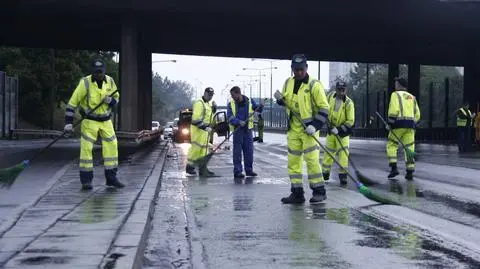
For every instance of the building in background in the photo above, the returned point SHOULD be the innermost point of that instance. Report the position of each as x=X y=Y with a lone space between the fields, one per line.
x=339 y=70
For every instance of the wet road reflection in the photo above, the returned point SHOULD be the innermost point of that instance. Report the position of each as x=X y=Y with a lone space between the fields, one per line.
x=242 y=224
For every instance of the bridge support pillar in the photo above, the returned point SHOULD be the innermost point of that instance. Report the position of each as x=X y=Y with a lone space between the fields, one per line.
x=135 y=79
x=393 y=71
x=471 y=89
x=414 y=79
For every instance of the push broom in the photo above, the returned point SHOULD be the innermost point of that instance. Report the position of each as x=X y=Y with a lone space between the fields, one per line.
x=361 y=177
x=10 y=174
x=361 y=188
x=411 y=155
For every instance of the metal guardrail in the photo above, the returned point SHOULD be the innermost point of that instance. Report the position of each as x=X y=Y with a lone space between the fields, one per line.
x=136 y=137
x=424 y=135
x=16 y=133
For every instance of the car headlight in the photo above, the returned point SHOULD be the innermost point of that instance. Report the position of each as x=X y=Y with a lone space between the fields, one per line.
x=185 y=131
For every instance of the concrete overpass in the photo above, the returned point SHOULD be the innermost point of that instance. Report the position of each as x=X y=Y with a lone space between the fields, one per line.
x=412 y=32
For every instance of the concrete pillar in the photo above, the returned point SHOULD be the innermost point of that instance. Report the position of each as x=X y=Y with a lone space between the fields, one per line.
x=129 y=76
x=145 y=87
x=393 y=71
x=135 y=79
x=414 y=79
x=471 y=88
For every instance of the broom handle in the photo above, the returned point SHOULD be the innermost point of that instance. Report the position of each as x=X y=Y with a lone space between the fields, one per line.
x=343 y=148
x=64 y=132
x=386 y=124
x=324 y=149
x=236 y=129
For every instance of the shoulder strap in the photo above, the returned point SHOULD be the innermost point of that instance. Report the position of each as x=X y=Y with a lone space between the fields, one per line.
x=312 y=101
x=285 y=84
x=86 y=83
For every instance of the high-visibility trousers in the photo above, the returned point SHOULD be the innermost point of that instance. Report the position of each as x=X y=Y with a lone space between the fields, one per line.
x=301 y=147
x=334 y=147
x=199 y=144
x=89 y=132
x=261 y=125
x=407 y=137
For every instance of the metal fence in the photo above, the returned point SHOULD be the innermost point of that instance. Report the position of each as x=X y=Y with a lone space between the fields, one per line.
x=438 y=103
x=8 y=104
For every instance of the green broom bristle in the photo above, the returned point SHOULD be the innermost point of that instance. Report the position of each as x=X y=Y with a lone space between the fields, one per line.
x=375 y=197
x=9 y=175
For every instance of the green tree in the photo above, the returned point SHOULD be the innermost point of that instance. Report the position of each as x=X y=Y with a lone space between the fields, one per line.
x=169 y=97
x=42 y=70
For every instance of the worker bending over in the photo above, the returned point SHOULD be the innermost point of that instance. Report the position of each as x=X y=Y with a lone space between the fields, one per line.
x=341 y=118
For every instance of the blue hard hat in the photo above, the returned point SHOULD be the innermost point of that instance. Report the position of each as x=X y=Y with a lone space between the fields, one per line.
x=299 y=61
x=98 y=65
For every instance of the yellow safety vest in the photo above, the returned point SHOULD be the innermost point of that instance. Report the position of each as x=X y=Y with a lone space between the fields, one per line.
x=403 y=110
x=463 y=122
x=88 y=96
x=311 y=100
x=344 y=117
x=234 y=113
x=202 y=114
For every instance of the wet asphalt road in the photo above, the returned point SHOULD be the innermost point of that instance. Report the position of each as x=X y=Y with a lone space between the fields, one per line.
x=34 y=180
x=222 y=223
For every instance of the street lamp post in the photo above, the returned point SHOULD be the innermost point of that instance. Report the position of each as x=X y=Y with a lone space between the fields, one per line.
x=260 y=77
x=250 y=76
x=247 y=82
x=271 y=84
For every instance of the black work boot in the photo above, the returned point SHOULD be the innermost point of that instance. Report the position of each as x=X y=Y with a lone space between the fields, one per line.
x=343 y=179
x=239 y=175
x=319 y=195
x=86 y=180
x=87 y=186
x=251 y=174
x=409 y=175
x=326 y=176
x=204 y=172
x=112 y=181
x=393 y=171
x=296 y=197
x=190 y=169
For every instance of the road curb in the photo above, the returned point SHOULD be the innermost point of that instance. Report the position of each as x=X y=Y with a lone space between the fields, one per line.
x=127 y=249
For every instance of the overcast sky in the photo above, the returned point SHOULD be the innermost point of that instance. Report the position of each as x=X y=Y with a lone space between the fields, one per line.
x=218 y=73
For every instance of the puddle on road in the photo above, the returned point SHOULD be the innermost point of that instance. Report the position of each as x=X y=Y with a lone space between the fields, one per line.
x=101 y=207
x=40 y=260
x=403 y=240
x=438 y=204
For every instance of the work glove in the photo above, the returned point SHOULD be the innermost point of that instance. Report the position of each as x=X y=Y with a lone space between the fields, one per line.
x=473 y=115
x=242 y=123
x=107 y=100
x=208 y=129
x=334 y=131
x=68 y=129
x=310 y=130
x=278 y=95
x=388 y=127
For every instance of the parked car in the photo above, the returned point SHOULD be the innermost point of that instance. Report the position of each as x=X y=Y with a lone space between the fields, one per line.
x=168 y=130
x=155 y=125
